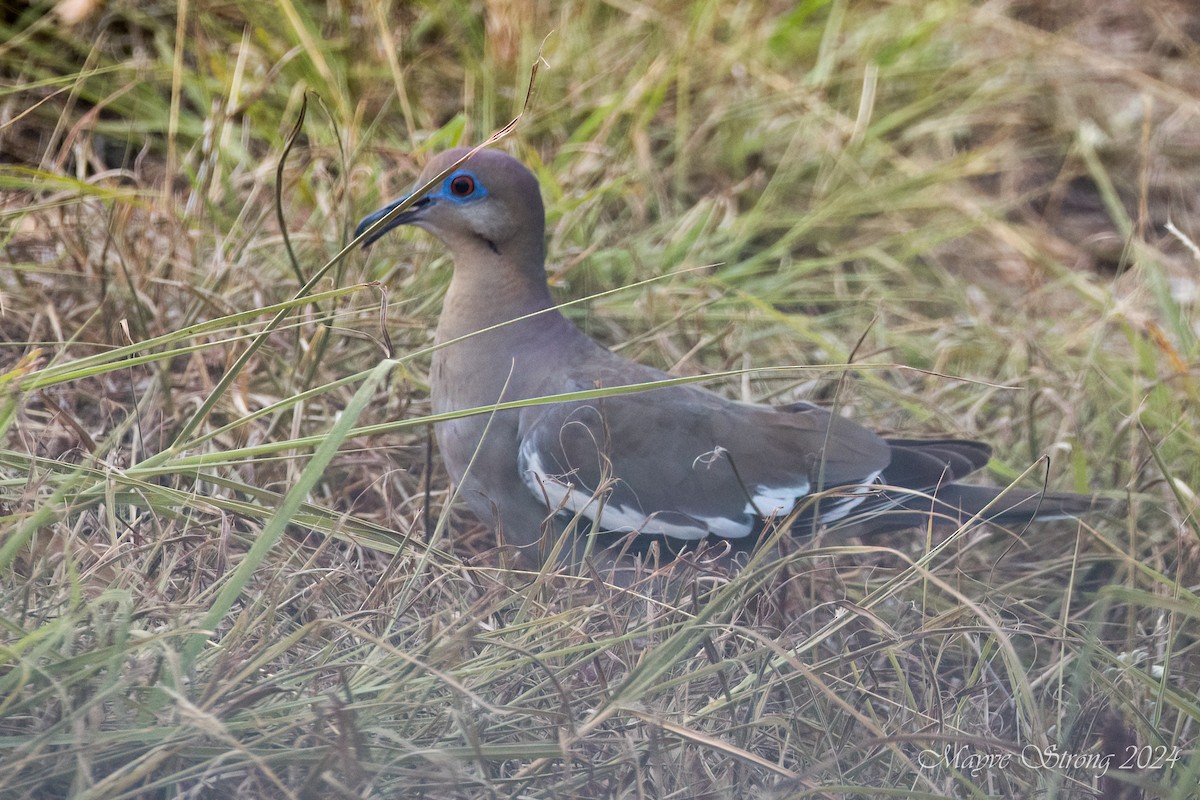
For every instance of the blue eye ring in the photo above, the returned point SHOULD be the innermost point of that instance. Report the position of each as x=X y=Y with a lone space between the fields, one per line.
x=461 y=185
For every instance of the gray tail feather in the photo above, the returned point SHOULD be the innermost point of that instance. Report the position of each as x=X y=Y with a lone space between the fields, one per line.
x=956 y=504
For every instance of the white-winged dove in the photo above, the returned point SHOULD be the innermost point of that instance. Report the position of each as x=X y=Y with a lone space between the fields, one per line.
x=675 y=464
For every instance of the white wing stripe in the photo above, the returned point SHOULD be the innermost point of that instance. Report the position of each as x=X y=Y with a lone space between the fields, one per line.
x=767 y=502
x=612 y=517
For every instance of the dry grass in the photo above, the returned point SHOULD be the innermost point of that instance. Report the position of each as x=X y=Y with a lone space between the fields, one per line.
x=217 y=574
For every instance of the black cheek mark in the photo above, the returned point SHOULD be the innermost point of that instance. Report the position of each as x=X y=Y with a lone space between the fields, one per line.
x=492 y=245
